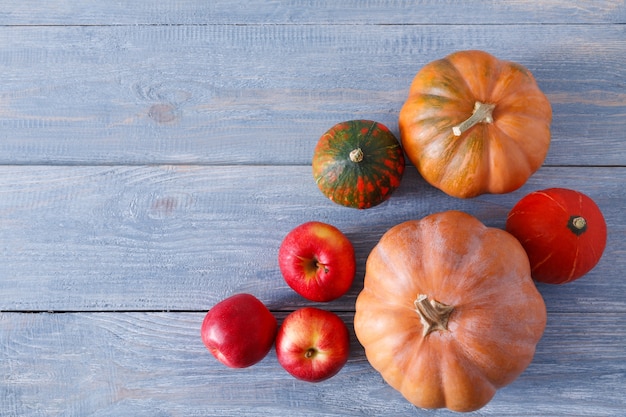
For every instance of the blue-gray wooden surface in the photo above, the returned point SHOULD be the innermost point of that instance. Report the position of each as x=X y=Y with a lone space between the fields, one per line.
x=154 y=154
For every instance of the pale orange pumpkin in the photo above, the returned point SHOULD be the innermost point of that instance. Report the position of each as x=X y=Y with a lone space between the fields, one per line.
x=449 y=312
x=473 y=124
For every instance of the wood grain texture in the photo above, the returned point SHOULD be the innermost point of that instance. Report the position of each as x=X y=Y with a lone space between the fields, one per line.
x=264 y=94
x=154 y=364
x=184 y=237
x=91 y=12
x=154 y=154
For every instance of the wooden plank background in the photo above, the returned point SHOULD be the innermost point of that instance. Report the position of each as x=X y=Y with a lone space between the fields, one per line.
x=262 y=94
x=154 y=154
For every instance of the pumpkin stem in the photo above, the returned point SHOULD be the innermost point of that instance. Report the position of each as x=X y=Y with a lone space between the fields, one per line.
x=356 y=155
x=577 y=224
x=482 y=114
x=433 y=314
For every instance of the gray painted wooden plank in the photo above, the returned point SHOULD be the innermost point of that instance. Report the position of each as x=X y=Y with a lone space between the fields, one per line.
x=154 y=364
x=111 y=93
x=263 y=94
x=183 y=237
x=63 y=12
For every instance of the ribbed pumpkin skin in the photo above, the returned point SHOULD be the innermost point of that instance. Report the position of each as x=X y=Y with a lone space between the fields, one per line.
x=361 y=184
x=497 y=319
x=496 y=157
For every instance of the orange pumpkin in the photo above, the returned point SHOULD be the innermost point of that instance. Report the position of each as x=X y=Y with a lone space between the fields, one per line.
x=449 y=312
x=473 y=124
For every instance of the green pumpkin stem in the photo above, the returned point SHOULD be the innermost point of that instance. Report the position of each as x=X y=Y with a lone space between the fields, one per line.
x=482 y=114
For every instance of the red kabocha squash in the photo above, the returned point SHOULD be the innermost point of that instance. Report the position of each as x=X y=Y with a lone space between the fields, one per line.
x=448 y=312
x=563 y=232
x=473 y=124
x=358 y=163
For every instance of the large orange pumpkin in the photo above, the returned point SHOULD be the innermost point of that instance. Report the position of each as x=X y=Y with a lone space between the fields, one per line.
x=473 y=124
x=449 y=312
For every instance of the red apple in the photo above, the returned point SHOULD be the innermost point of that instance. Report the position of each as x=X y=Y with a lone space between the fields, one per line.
x=239 y=331
x=317 y=261
x=312 y=344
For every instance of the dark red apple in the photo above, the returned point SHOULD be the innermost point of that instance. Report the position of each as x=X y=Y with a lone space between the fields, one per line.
x=312 y=344
x=317 y=261
x=239 y=331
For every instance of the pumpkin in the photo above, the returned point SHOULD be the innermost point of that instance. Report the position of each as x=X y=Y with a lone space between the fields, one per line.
x=563 y=232
x=358 y=163
x=473 y=124
x=448 y=312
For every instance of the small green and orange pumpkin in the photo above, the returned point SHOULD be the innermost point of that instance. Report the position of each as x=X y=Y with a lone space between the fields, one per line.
x=358 y=163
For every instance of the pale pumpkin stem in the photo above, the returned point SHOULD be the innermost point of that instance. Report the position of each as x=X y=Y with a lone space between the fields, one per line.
x=433 y=314
x=482 y=114
x=356 y=155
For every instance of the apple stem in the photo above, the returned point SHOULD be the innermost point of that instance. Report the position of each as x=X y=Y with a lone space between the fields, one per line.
x=319 y=265
x=482 y=113
x=433 y=314
x=310 y=353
